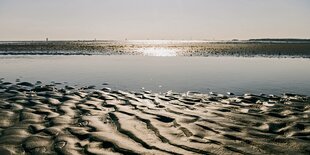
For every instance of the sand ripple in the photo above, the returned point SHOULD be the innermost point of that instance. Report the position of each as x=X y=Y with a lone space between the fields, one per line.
x=38 y=119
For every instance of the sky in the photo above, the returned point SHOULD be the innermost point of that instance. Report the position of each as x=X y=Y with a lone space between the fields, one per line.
x=153 y=19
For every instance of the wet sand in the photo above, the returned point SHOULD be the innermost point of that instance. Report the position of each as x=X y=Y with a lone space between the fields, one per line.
x=159 y=48
x=43 y=119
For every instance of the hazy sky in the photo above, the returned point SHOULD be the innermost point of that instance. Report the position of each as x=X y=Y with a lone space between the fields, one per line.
x=153 y=19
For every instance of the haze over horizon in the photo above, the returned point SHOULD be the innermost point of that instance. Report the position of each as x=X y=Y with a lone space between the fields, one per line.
x=153 y=19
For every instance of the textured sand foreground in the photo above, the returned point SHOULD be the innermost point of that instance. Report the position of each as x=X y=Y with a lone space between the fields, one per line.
x=41 y=119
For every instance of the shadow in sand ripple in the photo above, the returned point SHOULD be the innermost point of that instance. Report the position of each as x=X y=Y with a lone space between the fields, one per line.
x=39 y=119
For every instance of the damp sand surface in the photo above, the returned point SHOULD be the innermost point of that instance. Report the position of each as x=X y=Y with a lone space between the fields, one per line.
x=264 y=48
x=44 y=119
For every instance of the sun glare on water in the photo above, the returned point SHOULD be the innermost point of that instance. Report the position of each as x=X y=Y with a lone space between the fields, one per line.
x=153 y=51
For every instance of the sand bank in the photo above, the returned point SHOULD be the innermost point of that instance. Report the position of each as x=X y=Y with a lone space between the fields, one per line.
x=43 y=119
x=159 y=48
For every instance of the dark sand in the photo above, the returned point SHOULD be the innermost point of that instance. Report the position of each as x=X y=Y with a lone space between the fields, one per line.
x=147 y=47
x=36 y=119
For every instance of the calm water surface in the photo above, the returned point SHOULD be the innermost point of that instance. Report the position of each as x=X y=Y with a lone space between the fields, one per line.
x=160 y=74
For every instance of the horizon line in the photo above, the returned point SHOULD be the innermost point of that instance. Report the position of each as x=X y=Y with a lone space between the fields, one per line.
x=234 y=39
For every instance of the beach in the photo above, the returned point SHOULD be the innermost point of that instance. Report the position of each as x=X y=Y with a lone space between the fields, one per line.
x=44 y=119
x=149 y=98
x=155 y=77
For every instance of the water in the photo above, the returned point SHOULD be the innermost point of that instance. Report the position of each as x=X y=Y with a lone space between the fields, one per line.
x=160 y=74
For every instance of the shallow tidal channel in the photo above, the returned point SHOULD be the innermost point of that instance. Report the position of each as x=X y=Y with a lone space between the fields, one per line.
x=161 y=74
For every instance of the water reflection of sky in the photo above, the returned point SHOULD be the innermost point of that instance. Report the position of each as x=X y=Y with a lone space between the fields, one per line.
x=160 y=74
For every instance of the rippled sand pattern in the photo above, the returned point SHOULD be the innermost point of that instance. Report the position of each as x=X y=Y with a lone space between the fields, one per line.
x=36 y=119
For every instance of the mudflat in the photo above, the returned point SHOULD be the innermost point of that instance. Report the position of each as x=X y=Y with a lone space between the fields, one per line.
x=43 y=119
x=159 y=48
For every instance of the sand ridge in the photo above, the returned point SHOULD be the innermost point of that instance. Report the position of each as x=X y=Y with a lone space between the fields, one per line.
x=44 y=119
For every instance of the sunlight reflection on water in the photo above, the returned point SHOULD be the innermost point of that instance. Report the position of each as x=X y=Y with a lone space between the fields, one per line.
x=152 y=51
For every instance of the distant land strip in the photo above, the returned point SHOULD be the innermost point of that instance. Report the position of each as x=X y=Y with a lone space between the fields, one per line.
x=249 y=48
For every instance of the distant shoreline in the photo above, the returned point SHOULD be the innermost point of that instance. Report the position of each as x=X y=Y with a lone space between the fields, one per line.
x=172 y=40
x=251 y=48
